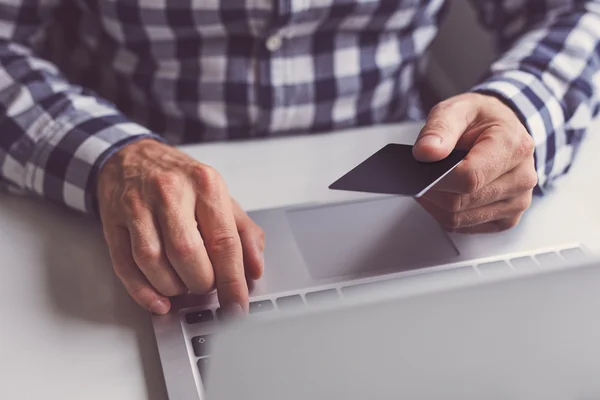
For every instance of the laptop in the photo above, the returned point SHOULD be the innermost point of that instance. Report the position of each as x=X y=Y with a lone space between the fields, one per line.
x=531 y=337
x=320 y=254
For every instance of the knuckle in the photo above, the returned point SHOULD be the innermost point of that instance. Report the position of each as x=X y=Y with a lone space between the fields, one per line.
x=455 y=220
x=185 y=250
x=222 y=242
x=523 y=202
x=147 y=254
x=202 y=281
x=454 y=202
x=531 y=179
x=165 y=185
x=164 y=179
x=452 y=220
x=524 y=146
x=473 y=180
x=202 y=285
x=206 y=178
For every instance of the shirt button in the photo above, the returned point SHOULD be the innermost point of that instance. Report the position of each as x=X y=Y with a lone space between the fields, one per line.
x=274 y=43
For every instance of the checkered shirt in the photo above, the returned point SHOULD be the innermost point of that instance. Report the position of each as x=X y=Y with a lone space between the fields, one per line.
x=81 y=79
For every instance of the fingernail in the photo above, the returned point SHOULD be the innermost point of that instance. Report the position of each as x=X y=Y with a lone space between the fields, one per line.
x=159 y=307
x=430 y=140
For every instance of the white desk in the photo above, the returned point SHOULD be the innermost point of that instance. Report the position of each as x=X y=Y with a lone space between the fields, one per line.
x=67 y=328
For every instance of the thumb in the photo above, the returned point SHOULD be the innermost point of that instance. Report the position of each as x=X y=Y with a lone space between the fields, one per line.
x=445 y=125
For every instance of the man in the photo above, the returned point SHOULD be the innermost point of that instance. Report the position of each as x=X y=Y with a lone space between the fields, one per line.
x=93 y=92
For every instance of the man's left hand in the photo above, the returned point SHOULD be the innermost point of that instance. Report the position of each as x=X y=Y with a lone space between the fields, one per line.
x=492 y=187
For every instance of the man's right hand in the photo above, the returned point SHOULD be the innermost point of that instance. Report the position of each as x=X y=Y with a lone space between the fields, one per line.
x=171 y=227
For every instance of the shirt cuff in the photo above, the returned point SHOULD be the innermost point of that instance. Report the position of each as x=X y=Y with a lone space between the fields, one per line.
x=541 y=114
x=64 y=167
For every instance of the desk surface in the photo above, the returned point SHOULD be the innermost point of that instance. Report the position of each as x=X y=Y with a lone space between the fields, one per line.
x=69 y=331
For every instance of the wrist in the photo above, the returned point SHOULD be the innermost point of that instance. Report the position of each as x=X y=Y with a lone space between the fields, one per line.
x=119 y=157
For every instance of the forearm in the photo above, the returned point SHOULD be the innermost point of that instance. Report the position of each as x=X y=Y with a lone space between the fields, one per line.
x=54 y=136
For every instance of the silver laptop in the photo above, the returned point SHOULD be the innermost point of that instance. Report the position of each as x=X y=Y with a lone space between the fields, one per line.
x=534 y=337
x=323 y=253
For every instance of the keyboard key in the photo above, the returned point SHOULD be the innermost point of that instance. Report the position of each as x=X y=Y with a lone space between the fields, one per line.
x=289 y=302
x=322 y=296
x=200 y=345
x=494 y=268
x=574 y=255
x=549 y=260
x=364 y=289
x=524 y=264
x=203 y=365
x=259 y=306
x=359 y=289
x=199 y=316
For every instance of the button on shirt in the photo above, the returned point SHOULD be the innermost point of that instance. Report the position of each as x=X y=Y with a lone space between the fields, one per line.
x=79 y=80
x=274 y=43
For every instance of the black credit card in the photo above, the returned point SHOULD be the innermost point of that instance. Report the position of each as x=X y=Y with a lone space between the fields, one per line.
x=394 y=170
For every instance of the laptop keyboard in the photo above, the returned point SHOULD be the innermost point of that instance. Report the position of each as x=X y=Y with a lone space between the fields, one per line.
x=322 y=296
x=202 y=365
x=197 y=317
x=200 y=344
x=289 y=302
x=524 y=263
x=260 y=306
x=205 y=320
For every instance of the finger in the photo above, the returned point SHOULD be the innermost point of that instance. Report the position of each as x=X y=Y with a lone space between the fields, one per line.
x=492 y=226
x=496 y=211
x=214 y=212
x=253 y=242
x=175 y=210
x=149 y=254
x=445 y=124
x=132 y=278
x=494 y=153
x=517 y=181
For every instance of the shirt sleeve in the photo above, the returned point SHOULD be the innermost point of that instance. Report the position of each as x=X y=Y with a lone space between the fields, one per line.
x=54 y=136
x=548 y=73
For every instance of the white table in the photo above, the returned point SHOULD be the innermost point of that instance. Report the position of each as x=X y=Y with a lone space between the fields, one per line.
x=67 y=328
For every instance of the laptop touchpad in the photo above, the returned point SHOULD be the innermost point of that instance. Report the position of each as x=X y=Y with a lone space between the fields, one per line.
x=366 y=237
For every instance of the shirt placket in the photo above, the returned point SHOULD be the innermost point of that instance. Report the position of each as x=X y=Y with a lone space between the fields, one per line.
x=271 y=94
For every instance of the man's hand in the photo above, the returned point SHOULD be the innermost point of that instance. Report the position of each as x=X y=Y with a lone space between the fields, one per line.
x=492 y=188
x=171 y=227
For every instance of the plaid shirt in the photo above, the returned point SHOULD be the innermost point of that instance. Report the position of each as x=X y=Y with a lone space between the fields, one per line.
x=80 y=79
